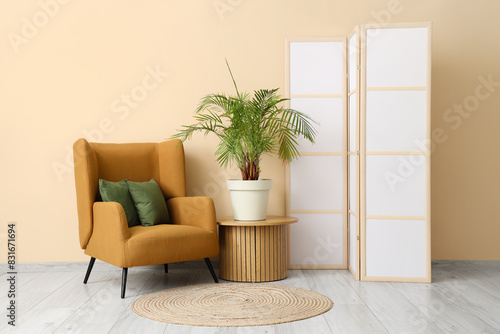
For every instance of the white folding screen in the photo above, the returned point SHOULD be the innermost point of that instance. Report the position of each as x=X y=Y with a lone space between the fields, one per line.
x=362 y=193
x=394 y=164
x=317 y=187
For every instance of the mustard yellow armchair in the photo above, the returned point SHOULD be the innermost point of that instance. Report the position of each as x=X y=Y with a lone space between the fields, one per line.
x=103 y=229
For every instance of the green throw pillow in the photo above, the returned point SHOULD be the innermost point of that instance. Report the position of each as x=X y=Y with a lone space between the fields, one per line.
x=149 y=202
x=118 y=192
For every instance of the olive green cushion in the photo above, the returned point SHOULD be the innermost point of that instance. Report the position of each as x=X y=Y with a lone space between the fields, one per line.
x=118 y=192
x=149 y=202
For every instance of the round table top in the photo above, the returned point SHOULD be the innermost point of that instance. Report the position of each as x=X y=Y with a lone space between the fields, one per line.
x=270 y=220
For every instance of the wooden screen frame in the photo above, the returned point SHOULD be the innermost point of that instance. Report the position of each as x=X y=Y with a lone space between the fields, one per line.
x=344 y=154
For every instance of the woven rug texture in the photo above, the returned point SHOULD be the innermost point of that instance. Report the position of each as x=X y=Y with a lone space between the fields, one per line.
x=231 y=305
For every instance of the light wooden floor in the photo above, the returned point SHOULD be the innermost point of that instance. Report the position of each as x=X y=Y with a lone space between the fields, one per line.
x=463 y=298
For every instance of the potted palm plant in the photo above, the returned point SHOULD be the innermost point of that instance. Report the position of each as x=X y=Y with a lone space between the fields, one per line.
x=249 y=126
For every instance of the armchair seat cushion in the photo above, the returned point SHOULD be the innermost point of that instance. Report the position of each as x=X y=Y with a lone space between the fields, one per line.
x=168 y=243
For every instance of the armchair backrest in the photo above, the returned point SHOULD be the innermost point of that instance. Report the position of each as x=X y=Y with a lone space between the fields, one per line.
x=137 y=162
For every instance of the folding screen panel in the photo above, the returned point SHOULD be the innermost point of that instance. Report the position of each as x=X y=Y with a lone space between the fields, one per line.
x=317 y=181
x=394 y=165
x=353 y=148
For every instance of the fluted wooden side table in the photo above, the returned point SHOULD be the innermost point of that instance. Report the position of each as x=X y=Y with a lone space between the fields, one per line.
x=254 y=251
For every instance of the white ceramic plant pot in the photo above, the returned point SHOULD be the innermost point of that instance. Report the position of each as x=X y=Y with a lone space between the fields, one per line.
x=249 y=198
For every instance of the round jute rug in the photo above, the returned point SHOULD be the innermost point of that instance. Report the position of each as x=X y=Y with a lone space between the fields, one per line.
x=230 y=305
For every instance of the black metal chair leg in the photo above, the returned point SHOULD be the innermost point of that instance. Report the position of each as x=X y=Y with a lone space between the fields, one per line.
x=124 y=281
x=89 y=269
x=166 y=268
x=209 y=264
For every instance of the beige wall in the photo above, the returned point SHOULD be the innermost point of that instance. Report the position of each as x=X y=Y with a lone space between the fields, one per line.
x=65 y=79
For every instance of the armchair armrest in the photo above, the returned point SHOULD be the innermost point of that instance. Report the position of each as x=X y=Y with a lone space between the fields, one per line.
x=110 y=222
x=110 y=233
x=194 y=211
